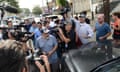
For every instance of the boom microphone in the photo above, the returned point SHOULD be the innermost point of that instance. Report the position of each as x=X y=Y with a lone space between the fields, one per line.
x=11 y=9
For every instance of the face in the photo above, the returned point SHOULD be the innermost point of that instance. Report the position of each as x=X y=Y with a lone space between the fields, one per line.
x=47 y=25
x=100 y=19
x=40 y=25
x=114 y=17
x=34 y=25
x=82 y=20
x=26 y=21
x=68 y=27
x=46 y=35
x=10 y=24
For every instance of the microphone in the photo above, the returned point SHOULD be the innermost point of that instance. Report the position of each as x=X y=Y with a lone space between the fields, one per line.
x=11 y=9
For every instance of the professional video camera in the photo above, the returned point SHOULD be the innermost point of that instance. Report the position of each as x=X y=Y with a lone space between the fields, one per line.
x=35 y=56
x=17 y=33
x=32 y=57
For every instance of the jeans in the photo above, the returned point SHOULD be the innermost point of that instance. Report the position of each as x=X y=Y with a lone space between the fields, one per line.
x=106 y=45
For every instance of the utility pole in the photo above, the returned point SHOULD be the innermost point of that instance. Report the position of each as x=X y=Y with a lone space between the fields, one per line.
x=106 y=5
x=48 y=6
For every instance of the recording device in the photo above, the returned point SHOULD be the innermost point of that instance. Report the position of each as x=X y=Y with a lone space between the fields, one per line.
x=64 y=10
x=35 y=56
x=17 y=33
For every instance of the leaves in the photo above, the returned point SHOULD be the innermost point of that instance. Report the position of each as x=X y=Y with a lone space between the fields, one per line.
x=37 y=10
x=13 y=3
x=61 y=2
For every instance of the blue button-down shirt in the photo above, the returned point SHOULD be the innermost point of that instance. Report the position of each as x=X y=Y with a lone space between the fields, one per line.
x=38 y=33
x=47 y=45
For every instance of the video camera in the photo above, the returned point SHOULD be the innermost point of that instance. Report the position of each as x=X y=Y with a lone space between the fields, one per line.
x=35 y=56
x=17 y=33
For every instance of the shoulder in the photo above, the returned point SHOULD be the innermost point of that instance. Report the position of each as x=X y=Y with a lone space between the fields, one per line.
x=106 y=25
x=39 y=38
x=51 y=36
x=87 y=25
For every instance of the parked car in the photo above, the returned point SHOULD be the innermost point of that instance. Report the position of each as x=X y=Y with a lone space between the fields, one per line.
x=90 y=58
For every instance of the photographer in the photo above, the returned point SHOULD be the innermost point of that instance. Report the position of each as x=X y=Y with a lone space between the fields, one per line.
x=68 y=36
x=12 y=58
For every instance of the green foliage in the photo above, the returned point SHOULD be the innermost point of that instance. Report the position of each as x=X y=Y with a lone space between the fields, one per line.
x=37 y=10
x=13 y=3
x=26 y=11
x=61 y=2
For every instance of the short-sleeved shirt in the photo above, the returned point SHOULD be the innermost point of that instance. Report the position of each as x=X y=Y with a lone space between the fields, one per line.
x=47 y=45
x=38 y=33
x=102 y=30
x=33 y=29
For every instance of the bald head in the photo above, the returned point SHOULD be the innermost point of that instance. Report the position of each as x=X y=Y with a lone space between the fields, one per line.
x=100 y=18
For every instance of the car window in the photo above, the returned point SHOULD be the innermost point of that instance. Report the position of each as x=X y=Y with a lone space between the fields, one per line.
x=114 y=67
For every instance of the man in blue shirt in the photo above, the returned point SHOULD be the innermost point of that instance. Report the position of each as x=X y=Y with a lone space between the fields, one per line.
x=103 y=31
x=32 y=30
x=48 y=44
x=27 y=25
x=38 y=31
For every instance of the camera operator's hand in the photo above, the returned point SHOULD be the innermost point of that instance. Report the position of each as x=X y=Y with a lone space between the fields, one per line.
x=49 y=54
x=67 y=40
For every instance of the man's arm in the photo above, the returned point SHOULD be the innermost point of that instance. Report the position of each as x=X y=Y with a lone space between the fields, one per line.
x=105 y=36
x=54 y=48
x=90 y=32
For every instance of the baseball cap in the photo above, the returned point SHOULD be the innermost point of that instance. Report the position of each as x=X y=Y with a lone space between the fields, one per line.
x=82 y=16
x=45 y=30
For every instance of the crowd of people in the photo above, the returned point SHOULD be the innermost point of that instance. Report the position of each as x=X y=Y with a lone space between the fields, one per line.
x=55 y=37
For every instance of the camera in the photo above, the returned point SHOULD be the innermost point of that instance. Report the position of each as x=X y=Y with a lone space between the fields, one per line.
x=35 y=56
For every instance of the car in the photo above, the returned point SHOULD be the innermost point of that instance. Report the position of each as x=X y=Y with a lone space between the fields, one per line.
x=90 y=58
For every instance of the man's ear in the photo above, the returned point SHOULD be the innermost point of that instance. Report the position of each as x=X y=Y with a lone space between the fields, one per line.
x=24 y=70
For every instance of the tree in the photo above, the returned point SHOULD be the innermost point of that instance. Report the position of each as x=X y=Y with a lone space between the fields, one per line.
x=26 y=11
x=62 y=3
x=13 y=3
x=37 y=10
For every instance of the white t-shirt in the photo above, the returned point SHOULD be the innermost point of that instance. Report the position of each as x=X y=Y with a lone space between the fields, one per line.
x=52 y=24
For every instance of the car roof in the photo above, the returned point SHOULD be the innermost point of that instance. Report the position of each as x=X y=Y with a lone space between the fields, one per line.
x=86 y=58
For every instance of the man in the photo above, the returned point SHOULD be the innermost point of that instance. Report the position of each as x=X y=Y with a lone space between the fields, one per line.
x=12 y=58
x=84 y=30
x=10 y=25
x=103 y=31
x=48 y=44
x=27 y=25
x=87 y=20
x=38 y=31
x=32 y=30
x=52 y=23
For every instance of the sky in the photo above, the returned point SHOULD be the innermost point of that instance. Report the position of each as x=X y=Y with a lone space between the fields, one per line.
x=31 y=3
